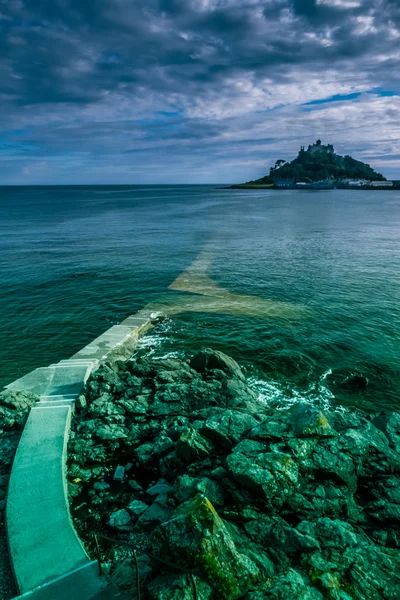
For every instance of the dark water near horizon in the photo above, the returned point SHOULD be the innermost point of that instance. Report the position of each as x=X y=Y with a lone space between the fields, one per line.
x=75 y=260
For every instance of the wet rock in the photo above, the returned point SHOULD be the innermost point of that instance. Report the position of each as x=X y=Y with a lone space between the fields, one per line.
x=308 y=421
x=210 y=360
x=161 y=487
x=197 y=538
x=135 y=486
x=240 y=396
x=191 y=446
x=389 y=424
x=14 y=409
x=137 y=507
x=112 y=433
x=271 y=475
x=121 y=520
x=155 y=515
x=226 y=427
x=277 y=534
x=178 y=587
x=101 y=486
x=124 y=575
x=331 y=533
x=119 y=473
x=290 y=586
x=149 y=454
x=186 y=487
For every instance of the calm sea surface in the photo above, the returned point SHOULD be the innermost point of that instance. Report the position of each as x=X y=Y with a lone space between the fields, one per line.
x=75 y=260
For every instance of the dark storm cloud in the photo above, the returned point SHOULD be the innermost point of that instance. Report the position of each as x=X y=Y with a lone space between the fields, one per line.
x=215 y=88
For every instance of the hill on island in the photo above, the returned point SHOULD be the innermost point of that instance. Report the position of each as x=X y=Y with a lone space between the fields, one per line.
x=320 y=163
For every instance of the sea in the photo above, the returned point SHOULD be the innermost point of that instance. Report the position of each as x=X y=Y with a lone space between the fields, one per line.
x=302 y=288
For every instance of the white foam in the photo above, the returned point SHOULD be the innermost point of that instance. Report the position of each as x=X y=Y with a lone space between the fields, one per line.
x=272 y=392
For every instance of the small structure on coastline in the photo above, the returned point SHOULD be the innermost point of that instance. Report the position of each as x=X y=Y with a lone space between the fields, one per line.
x=283 y=182
x=379 y=184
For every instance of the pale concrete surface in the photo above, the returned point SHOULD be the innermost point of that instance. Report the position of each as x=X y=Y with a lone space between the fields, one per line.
x=82 y=584
x=54 y=380
x=43 y=544
x=42 y=541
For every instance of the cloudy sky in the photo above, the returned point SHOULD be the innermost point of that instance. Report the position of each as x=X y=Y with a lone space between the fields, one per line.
x=193 y=91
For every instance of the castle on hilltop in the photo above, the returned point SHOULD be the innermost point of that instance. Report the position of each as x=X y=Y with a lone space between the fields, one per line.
x=319 y=147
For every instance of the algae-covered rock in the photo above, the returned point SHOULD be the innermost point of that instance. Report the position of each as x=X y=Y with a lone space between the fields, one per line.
x=197 y=538
x=308 y=421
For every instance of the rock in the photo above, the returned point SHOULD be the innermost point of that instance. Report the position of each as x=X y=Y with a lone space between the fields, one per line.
x=81 y=403
x=186 y=487
x=119 y=473
x=240 y=396
x=191 y=446
x=290 y=586
x=389 y=424
x=161 y=487
x=277 y=534
x=272 y=475
x=121 y=520
x=354 y=382
x=226 y=427
x=210 y=360
x=101 y=486
x=111 y=433
x=155 y=515
x=331 y=533
x=136 y=508
x=149 y=454
x=14 y=409
x=136 y=487
x=197 y=538
x=124 y=575
x=18 y=401
x=308 y=421
x=178 y=587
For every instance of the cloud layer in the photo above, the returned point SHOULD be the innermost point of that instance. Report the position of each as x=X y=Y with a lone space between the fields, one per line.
x=165 y=91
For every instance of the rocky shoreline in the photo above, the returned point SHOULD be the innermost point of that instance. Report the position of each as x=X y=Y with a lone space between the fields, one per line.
x=225 y=497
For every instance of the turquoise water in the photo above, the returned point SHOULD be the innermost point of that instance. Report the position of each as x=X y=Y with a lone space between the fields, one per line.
x=75 y=260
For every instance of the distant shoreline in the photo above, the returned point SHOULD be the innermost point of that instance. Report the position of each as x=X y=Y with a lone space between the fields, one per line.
x=245 y=186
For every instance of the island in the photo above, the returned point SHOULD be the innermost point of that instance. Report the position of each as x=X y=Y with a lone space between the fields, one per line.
x=319 y=167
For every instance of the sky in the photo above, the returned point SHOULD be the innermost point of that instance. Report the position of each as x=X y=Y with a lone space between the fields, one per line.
x=193 y=91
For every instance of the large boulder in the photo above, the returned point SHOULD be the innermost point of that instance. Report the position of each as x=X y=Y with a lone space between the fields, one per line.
x=197 y=538
x=224 y=426
x=210 y=360
x=271 y=475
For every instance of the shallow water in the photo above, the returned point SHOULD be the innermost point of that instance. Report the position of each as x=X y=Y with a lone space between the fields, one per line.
x=302 y=287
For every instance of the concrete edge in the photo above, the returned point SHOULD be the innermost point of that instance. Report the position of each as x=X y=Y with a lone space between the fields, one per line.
x=136 y=326
x=45 y=586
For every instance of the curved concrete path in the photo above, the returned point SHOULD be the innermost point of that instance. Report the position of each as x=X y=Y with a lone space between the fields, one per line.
x=46 y=554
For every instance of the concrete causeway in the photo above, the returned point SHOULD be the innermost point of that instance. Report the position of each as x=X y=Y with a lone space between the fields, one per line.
x=46 y=553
